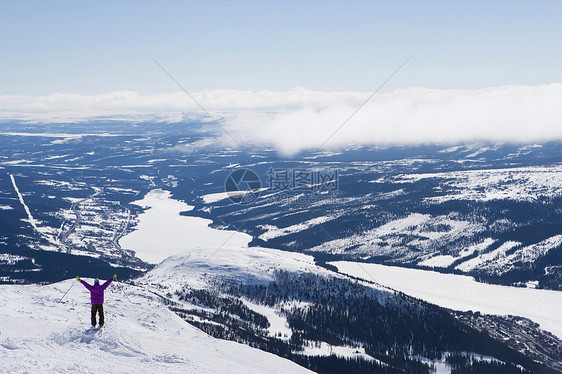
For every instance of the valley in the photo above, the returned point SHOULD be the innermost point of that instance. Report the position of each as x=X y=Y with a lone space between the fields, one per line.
x=437 y=250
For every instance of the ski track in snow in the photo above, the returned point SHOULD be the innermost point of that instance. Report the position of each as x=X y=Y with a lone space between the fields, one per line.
x=39 y=334
x=32 y=220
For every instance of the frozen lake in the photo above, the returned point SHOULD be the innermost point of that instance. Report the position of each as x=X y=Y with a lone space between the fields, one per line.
x=163 y=232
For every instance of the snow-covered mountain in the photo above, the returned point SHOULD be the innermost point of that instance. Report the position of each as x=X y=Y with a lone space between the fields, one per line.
x=282 y=302
x=277 y=301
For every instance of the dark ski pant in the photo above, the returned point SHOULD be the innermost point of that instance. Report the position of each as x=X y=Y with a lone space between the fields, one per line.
x=95 y=309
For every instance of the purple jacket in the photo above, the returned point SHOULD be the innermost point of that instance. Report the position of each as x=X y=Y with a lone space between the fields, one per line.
x=96 y=291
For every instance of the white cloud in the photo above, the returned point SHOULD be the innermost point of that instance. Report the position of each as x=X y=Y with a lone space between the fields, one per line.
x=300 y=118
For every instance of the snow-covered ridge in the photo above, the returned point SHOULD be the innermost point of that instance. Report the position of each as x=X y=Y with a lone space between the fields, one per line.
x=525 y=183
x=200 y=266
x=487 y=257
x=41 y=334
x=425 y=232
x=525 y=255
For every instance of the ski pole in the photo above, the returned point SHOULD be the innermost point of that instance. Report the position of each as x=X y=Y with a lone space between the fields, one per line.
x=122 y=290
x=67 y=291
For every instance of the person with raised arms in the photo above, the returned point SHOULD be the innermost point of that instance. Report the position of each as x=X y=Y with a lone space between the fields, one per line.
x=96 y=298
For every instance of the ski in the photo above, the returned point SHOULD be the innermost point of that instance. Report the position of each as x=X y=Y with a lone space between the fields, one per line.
x=94 y=330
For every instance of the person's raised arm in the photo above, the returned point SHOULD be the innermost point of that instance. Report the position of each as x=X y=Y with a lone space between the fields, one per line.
x=84 y=283
x=107 y=283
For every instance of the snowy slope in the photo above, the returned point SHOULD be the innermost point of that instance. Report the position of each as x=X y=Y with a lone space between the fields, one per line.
x=397 y=238
x=40 y=334
x=201 y=267
x=523 y=184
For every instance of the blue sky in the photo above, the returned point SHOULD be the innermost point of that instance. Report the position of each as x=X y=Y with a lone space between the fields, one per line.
x=96 y=47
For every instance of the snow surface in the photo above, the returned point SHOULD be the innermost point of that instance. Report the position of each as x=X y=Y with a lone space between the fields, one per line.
x=463 y=293
x=487 y=257
x=522 y=184
x=528 y=254
x=444 y=261
x=218 y=196
x=500 y=262
x=201 y=265
x=324 y=349
x=214 y=197
x=162 y=232
x=279 y=326
x=389 y=238
x=274 y=231
x=440 y=261
x=39 y=334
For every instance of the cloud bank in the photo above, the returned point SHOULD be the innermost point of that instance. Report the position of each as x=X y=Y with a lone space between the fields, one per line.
x=301 y=119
